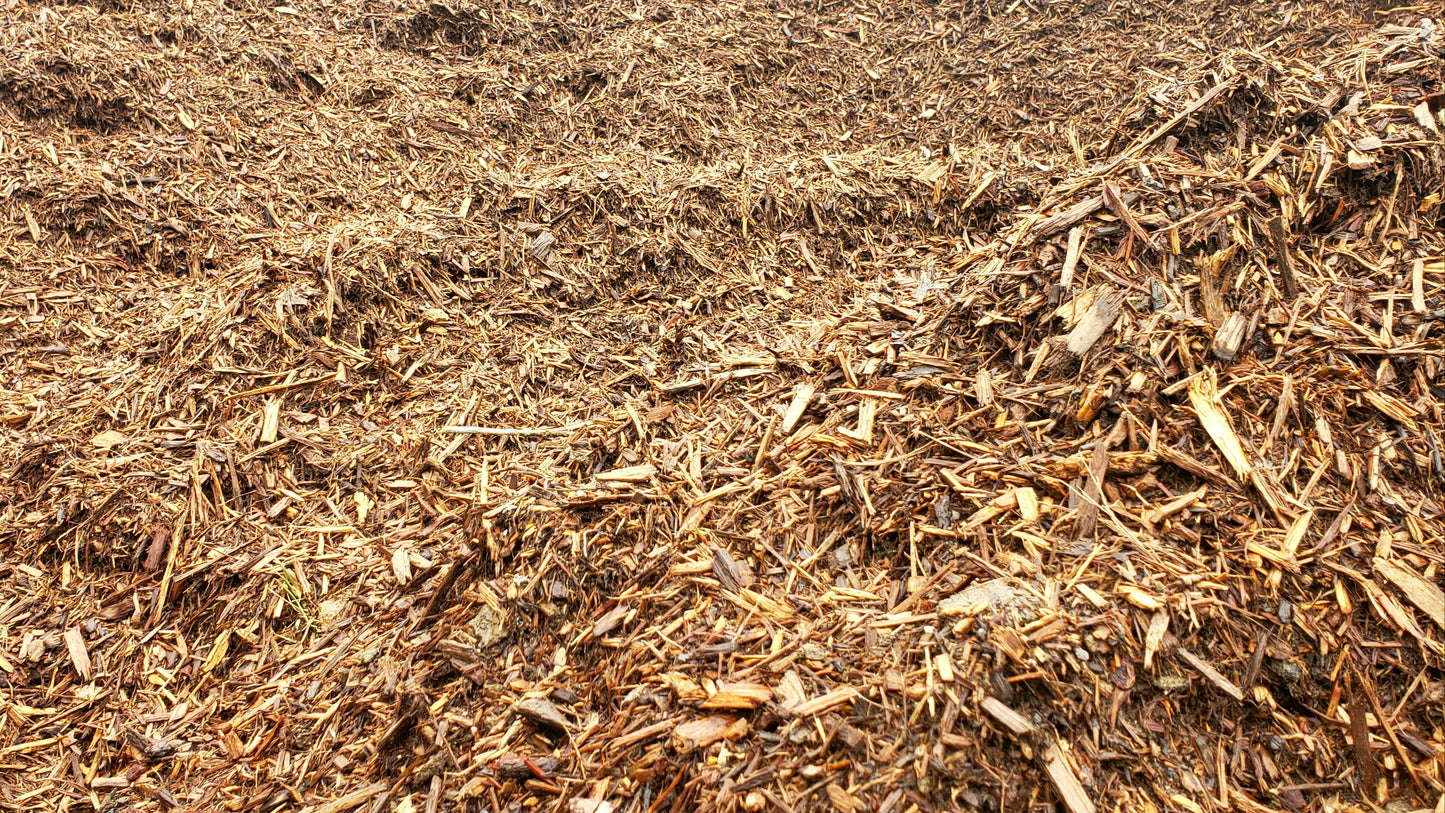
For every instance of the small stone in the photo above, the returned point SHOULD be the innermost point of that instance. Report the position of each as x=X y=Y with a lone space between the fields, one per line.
x=438 y=764
x=1287 y=671
x=1171 y=683
x=150 y=748
x=851 y=737
x=329 y=610
x=541 y=712
x=997 y=594
x=115 y=802
x=488 y=626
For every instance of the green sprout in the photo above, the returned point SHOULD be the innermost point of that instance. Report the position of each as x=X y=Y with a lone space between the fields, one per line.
x=292 y=595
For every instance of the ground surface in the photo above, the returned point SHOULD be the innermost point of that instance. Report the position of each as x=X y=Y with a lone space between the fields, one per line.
x=955 y=406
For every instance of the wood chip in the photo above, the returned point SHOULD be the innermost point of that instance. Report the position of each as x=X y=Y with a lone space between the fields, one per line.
x=79 y=656
x=1212 y=674
x=695 y=734
x=1422 y=593
x=1061 y=773
x=525 y=406
x=1204 y=397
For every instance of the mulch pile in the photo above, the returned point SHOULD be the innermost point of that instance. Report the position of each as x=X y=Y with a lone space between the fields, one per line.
x=624 y=407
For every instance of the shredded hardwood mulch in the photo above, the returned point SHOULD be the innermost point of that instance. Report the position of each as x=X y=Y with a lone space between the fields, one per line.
x=429 y=406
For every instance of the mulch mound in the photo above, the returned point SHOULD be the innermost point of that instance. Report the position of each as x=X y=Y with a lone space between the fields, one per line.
x=615 y=407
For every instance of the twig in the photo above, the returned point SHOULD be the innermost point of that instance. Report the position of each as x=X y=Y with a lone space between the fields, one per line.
x=509 y=432
x=278 y=387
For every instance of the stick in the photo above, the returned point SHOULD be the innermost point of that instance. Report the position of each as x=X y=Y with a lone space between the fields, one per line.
x=278 y=387
x=1083 y=209
x=1204 y=668
x=508 y=432
x=1360 y=739
x=1286 y=265
x=1138 y=146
